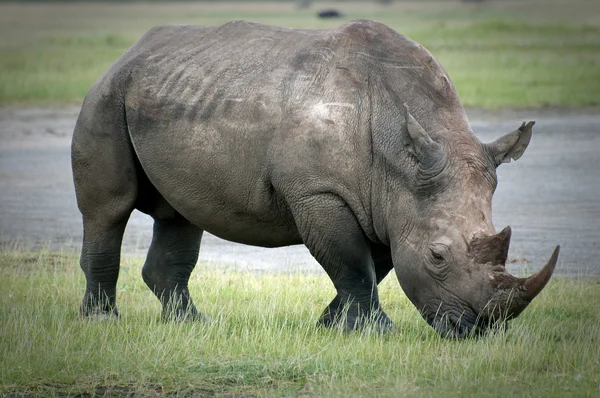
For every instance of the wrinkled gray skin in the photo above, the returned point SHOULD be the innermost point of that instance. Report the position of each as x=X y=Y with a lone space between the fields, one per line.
x=351 y=141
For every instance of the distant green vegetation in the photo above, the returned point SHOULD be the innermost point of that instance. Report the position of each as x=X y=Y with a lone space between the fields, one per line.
x=499 y=54
x=263 y=340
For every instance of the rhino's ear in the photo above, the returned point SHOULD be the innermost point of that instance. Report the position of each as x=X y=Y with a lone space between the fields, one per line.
x=418 y=142
x=512 y=145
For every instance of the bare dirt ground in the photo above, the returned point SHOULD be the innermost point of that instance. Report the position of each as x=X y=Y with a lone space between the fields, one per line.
x=550 y=196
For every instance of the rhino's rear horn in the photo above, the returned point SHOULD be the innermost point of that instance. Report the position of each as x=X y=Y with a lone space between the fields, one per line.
x=492 y=249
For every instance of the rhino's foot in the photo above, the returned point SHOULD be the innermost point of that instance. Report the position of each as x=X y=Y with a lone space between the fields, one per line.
x=181 y=314
x=185 y=316
x=101 y=272
x=351 y=319
x=98 y=313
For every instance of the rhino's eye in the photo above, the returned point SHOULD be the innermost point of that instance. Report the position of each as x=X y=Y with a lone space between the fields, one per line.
x=437 y=257
x=438 y=265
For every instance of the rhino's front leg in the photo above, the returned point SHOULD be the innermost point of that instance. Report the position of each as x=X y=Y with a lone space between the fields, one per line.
x=334 y=237
x=171 y=259
x=382 y=261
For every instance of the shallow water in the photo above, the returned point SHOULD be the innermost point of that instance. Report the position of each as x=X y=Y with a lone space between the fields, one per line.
x=550 y=196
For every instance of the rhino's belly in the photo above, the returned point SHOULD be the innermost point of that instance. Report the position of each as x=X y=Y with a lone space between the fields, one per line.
x=224 y=208
x=243 y=228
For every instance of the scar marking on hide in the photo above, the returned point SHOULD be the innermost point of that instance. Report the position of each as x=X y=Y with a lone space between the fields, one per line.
x=321 y=110
x=261 y=38
x=389 y=62
x=342 y=104
x=325 y=52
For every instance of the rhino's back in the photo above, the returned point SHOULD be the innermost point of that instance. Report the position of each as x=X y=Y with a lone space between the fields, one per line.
x=197 y=72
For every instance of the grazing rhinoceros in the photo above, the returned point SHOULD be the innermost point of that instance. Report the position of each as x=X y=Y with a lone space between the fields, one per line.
x=351 y=141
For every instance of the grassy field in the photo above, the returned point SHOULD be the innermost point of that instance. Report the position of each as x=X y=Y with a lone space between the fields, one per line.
x=498 y=53
x=263 y=341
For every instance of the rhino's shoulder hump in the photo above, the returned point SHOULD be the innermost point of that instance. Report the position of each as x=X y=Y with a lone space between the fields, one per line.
x=381 y=39
x=367 y=29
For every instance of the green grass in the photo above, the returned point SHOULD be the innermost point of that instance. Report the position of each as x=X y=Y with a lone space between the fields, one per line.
x=263 y=340
x=498 y=53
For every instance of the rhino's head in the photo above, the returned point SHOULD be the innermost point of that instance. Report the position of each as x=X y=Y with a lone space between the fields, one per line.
x=451 y=262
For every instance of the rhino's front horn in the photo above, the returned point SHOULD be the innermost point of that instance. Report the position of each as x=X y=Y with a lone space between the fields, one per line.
x=514 y=294
x=535 y=283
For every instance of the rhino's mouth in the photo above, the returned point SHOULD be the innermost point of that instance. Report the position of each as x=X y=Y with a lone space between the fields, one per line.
x=464 y=325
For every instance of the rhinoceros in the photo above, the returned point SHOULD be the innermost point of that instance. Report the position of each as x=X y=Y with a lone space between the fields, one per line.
x=351 y=141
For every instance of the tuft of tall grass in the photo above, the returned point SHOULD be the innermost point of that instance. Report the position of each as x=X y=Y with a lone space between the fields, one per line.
x=262 y=340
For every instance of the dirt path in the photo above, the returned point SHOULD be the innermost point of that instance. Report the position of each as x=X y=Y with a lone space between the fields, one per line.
x=550 y=196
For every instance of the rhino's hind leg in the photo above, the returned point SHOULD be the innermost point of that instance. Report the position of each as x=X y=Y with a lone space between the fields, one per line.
x=105 y=179
x=172 y=257
x=100 y=258
x=340 y=246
